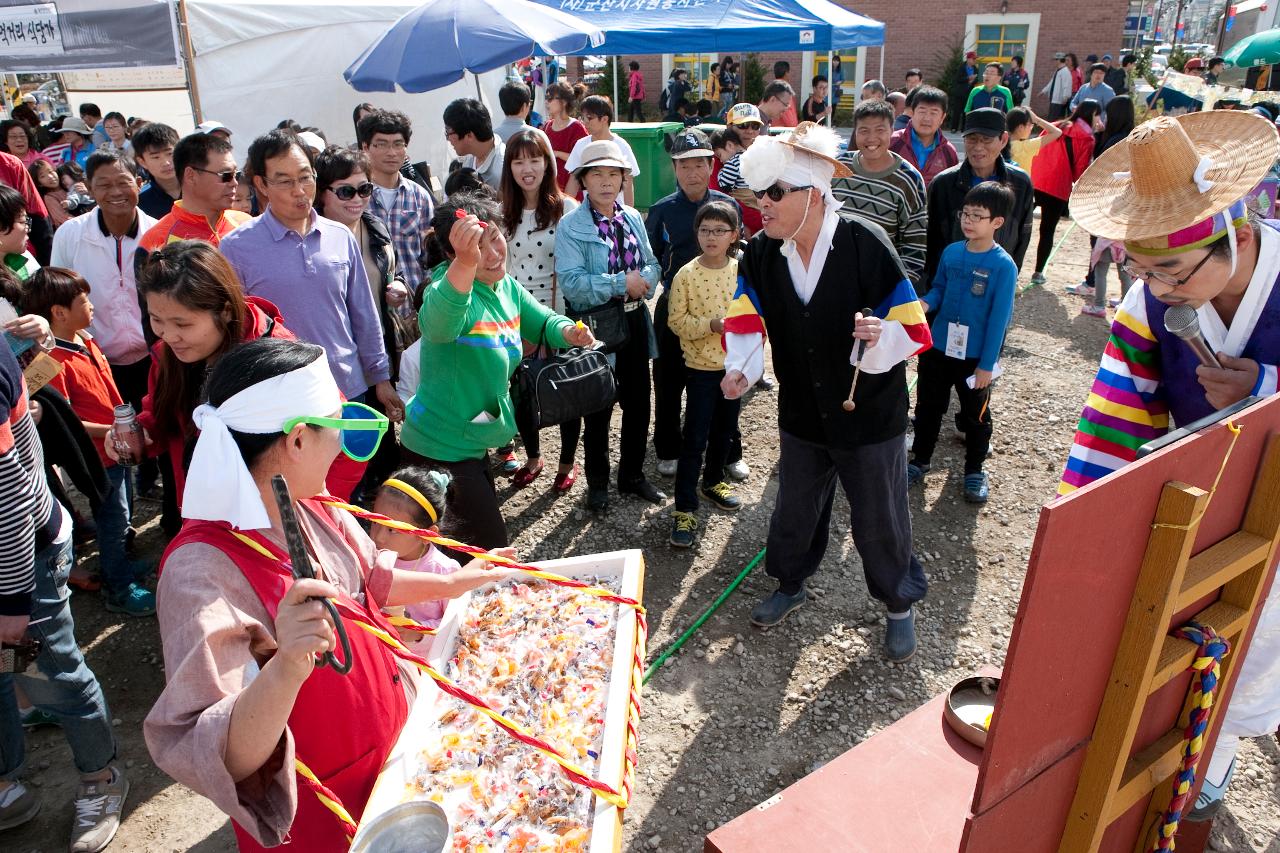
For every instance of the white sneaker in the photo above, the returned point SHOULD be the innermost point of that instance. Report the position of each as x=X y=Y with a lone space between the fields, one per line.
x=98 y=809
x=667 y=467
x=738 y=471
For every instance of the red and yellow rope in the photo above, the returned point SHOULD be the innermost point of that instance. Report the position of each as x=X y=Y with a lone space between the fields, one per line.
x=572 y=771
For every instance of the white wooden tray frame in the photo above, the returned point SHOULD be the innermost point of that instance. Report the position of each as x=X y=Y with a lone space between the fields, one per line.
x=402 y=762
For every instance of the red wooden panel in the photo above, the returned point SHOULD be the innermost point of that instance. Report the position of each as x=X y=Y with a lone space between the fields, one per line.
x=1080 y=579
x=906 y=788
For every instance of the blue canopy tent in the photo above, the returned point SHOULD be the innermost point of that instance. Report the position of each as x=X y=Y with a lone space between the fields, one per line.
x=721 y=26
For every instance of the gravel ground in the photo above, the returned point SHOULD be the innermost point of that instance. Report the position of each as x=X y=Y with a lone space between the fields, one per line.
x=739 y=714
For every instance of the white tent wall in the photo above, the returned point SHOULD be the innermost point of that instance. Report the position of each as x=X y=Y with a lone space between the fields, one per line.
x=260 y=61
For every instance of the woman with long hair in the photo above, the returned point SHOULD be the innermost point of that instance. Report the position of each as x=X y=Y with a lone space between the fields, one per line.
x=1055 y=169
x=532 y=205
x=198 y=310
x=49 y=184
x=561 y=128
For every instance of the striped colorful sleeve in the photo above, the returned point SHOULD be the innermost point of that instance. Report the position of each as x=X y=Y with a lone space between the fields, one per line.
x=743 y=316
x=1126 y=407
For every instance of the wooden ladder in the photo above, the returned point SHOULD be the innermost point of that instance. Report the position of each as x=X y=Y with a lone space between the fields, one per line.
x=1149 y=657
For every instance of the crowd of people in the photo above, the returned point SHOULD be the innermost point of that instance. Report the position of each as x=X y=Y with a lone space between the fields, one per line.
x=330 y=289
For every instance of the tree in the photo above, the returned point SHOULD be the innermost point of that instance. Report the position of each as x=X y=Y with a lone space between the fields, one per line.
x=752 y=80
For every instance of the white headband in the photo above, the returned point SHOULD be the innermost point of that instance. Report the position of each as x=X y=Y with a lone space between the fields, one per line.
x=219 y=485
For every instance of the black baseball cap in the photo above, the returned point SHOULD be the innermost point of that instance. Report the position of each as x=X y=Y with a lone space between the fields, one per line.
x=988 y=121
x=689 y=142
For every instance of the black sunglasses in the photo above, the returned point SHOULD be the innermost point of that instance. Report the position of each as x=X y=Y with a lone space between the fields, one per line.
x=777 y=193
x=227 y=177
x=346 y=192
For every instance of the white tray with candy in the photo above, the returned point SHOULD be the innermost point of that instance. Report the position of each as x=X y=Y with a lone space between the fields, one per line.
x=557 y=661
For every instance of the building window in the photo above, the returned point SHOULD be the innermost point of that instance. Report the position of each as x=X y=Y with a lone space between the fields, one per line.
x=848 y=74
x=1001 y=42
x=699 y=67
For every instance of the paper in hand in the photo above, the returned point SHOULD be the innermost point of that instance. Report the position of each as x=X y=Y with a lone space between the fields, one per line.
x=996 y=373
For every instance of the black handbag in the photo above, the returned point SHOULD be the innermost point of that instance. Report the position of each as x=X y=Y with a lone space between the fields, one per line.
x=607 y=322
x=563 y=386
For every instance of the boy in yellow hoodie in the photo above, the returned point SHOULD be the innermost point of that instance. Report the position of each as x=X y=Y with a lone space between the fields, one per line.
x=700 y=297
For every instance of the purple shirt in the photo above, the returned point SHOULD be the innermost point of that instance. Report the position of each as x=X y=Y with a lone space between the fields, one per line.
x=319 y=284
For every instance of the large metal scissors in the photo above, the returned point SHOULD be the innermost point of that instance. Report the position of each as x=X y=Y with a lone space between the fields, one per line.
x=301 y=566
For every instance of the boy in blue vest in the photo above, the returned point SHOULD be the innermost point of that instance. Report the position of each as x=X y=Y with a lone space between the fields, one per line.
x=971 y=304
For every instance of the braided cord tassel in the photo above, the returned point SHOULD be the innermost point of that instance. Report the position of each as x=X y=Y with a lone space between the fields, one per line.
x=1208 y=666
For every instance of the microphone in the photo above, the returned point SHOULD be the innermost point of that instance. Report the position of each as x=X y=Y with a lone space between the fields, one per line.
x=1181 y=320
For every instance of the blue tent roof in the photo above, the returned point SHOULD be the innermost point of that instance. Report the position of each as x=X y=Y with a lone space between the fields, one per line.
x=721 y=26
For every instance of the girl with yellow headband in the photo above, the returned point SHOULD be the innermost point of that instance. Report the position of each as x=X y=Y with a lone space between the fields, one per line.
x=416 y=496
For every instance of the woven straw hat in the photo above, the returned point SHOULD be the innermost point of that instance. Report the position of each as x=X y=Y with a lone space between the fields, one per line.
x=816 y=141
x=1146 y=186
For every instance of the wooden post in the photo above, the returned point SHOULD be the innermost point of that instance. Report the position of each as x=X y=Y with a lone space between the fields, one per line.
x=189 y=59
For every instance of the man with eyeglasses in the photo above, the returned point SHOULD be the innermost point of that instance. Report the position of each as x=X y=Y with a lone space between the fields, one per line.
x=674 y=243
x=809 y=277
x=206 y=167
x=985 y=137
x=312 y=269
x=402 y=205
x=1190 y=243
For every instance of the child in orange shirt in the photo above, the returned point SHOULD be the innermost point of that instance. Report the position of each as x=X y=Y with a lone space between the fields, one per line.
x=62 y=297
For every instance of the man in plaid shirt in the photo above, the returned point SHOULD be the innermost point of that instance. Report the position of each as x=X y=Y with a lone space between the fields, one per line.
x=404 y=206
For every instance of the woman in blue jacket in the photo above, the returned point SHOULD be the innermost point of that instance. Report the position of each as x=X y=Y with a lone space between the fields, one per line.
x=603 y=257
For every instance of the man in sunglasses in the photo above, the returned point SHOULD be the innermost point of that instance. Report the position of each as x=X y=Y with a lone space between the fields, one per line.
x=311 y=269
x=206 y=166
x=985 y=137
x=811 y=277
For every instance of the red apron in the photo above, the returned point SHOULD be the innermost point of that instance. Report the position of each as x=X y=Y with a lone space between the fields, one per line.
x=343 y=725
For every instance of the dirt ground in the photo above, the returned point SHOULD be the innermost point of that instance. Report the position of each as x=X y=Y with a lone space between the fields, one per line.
x=739 y=714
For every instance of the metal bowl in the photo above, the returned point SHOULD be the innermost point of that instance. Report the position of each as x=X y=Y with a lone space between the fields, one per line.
x=419 y=826
x=969 y=707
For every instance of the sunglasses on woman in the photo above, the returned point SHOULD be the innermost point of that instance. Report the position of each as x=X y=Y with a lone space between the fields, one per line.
x=777 y=193
x=346 y=192
x=361 y=427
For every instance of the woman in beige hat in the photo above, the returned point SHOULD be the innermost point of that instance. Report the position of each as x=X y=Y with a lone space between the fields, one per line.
x=604 y=261
x=1174 y=193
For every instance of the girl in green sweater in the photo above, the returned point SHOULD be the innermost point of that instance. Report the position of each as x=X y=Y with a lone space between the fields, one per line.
x=473 y=318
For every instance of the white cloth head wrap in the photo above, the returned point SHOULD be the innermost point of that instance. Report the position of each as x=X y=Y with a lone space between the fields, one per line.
x=219 y=485
x=768 y=161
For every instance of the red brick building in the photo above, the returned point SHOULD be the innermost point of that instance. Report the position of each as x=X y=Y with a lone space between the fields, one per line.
x=915 y=35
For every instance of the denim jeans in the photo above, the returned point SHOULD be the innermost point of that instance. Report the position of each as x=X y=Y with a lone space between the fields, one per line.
x=710 y=423
x=112 y=519
x=62 y=684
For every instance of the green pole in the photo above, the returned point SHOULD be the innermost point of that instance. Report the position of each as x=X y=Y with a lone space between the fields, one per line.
x=706 y=614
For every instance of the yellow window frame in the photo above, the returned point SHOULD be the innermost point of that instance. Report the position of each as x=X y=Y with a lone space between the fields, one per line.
x=1011 y=40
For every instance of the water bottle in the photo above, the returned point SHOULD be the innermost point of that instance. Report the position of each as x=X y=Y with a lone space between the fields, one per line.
x=127 y=435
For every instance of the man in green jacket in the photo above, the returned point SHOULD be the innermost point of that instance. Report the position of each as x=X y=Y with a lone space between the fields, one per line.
x=990 y=93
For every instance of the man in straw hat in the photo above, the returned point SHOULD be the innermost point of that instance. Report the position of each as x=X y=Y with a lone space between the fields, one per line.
x=1173 y=193
x=823 y=284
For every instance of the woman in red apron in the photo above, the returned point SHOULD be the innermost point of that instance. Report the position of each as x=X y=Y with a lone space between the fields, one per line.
x=247 y=718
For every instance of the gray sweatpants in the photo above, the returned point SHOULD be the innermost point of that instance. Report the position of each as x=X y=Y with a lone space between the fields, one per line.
x=874 y=479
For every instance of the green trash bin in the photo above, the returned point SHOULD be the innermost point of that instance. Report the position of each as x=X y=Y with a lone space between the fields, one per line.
x=647 y=141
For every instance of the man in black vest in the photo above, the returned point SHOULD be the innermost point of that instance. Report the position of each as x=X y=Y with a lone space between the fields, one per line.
x=807 y=277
